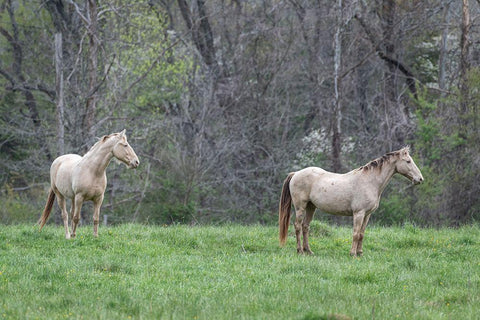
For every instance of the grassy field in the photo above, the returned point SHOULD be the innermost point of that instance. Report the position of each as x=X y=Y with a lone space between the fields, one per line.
x=238 y=272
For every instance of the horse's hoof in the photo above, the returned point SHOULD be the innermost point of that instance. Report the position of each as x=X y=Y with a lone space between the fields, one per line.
x=67 y=236
x=309 y=252
x=299 y=251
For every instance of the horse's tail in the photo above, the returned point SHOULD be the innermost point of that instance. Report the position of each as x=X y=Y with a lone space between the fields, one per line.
x=47 y=210
x=284 y=209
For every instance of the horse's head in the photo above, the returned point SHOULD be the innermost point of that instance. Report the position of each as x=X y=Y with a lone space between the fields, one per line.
x=124 y=152
x=406 y=167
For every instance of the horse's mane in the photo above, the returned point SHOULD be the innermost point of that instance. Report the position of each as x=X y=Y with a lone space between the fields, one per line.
x=379 y=162
x=100 y=141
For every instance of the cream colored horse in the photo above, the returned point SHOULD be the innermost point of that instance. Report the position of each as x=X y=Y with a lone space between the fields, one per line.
x=356 y=193
x=83 y=179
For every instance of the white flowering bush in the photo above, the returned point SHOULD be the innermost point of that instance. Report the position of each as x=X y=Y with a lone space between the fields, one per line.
x=316 y=150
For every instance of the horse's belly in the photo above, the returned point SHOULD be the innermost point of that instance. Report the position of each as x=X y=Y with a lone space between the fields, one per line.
x=339 y=209
x=332 y=201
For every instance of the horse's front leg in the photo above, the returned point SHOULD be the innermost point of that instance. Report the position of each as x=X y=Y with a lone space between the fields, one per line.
x=358 y=218
x=362 y=232
x=77 y=208
x=97 y=203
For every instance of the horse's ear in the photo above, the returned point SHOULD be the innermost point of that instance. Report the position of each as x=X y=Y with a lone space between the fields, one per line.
x=122 y=134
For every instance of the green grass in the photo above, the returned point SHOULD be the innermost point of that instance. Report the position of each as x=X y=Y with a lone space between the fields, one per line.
x=238 y=272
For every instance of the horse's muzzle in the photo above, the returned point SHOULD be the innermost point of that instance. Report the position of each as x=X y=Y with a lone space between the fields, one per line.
x=134 y=163
x=417 y=180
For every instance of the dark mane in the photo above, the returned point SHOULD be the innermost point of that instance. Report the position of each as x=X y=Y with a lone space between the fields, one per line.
x=99 y=142
x=379 y=162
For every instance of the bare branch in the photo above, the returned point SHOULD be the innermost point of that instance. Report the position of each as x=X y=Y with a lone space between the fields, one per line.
x=79 y=12
x=410 y=78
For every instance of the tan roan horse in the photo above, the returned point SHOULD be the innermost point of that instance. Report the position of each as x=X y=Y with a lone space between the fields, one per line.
x=83 y=178
x=356 y=193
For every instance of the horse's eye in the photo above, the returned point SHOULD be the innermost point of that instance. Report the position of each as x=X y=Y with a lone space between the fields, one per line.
x=408 y=161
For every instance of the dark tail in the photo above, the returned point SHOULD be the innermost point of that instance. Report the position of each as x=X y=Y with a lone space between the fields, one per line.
x=47 y=210
x=284 y=209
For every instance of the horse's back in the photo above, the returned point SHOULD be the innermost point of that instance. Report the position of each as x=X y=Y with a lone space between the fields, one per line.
x=330 y=192
x=312 y=174
x=65 y=162
x=61 y=173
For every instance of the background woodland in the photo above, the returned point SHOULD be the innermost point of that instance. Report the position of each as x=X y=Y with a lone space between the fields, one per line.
x=221 y=99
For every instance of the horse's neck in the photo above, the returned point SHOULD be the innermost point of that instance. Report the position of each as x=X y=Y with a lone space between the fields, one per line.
x=98 y=160
x=382 y=177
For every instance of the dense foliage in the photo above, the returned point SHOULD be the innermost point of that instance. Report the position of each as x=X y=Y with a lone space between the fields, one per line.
x=221 y=99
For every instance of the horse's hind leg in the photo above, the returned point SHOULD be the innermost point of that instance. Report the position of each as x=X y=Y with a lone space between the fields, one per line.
x=300 y=210
x=62 y=203
x=310 y=209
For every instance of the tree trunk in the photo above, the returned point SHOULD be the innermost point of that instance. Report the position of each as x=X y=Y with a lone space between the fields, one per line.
x=91 y=105
x=202 y=34
x=59 y=94
x=464 y=61
x=313 y=48
x=443 y=48
x=18 y=79
x=337 y=107
x=388 y=20
x=390 y=92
